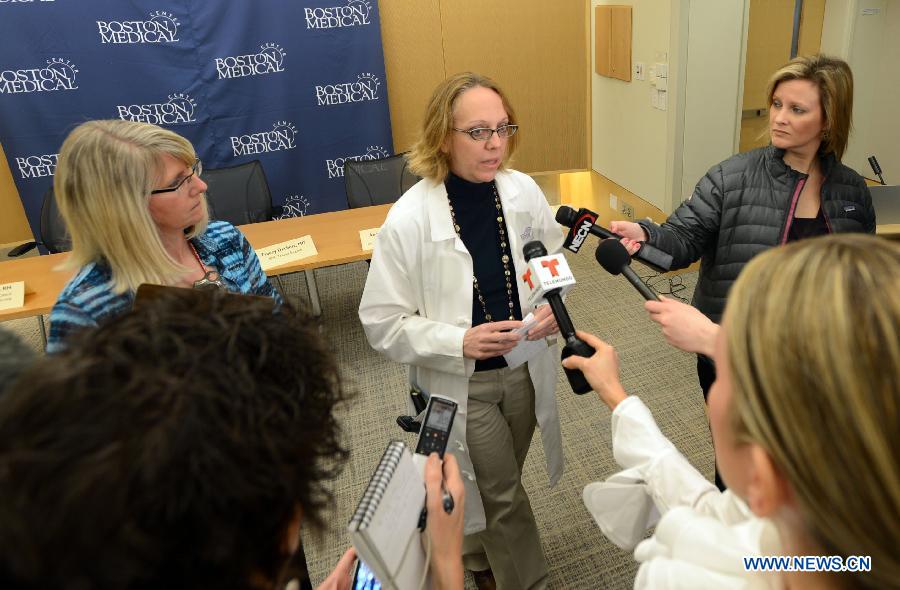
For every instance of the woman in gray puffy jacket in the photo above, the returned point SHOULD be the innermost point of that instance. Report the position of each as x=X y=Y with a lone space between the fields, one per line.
x=795 y=188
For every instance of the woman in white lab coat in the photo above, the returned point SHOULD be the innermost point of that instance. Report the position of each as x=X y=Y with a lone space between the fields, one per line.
x=805 y=424
x=442 y=297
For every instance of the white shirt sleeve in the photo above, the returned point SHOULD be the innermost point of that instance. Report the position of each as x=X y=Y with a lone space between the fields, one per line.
x=390 y=315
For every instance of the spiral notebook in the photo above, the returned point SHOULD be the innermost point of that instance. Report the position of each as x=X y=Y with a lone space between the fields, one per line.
x=384 y=529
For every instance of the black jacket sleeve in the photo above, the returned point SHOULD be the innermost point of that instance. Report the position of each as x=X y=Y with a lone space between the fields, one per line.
x=692 y=229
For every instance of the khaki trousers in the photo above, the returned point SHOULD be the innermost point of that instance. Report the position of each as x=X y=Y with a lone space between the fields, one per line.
x=499 y=428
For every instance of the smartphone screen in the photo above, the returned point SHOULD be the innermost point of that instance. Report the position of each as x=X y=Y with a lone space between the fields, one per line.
x=440 y=416
x=364 y=579
x=435 y=432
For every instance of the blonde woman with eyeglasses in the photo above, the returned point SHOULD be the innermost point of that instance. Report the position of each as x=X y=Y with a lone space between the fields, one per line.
x=134 y=204
x=805 y=423
x=441 y=296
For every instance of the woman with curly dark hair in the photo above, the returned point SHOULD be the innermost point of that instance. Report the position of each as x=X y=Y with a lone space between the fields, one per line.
x=180 y=446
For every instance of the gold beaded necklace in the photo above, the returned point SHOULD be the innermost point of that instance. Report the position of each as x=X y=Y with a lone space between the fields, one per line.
x=504 y=258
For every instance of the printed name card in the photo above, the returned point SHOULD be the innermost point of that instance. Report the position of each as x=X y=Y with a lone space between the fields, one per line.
x=12 y=295
x=367 y=238
x=286 y=252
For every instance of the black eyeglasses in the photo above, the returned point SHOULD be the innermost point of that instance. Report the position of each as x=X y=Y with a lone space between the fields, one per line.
x=196 y=169
x=485 y=133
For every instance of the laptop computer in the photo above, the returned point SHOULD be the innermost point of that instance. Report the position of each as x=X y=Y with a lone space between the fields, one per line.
x=886 y=202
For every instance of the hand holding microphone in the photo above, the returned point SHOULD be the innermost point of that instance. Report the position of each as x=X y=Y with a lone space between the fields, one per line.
x=601 y=370
x=546 y=279
x=583 y=223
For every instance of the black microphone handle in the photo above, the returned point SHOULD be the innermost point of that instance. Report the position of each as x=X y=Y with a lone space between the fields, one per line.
x=654 y=257
x=876 y=168
x=566 y=327
x=578 y=347
x=638 y=284
x=574 y=344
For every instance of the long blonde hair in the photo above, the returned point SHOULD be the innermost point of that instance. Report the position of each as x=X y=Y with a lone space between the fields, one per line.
x=103 y=181
x=813 y=333
x=834 y=79
x=426 y=158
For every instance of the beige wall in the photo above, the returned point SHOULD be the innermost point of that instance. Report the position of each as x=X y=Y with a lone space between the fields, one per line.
x=629 y=136
x=837 y=27
x=660 y=155
x=712 y=105
x=536 y=50
x=873 y=50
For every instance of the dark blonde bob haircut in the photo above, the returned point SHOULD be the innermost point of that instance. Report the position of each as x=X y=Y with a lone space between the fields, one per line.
x=427 y=157
x=833 y=78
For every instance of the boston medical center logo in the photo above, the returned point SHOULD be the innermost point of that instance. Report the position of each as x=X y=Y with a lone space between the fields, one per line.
x=269 y=60
x=37 y=166
x=355 y=13
x=162 y=27
x=294 y=206
x=335 y=167
x=283 y=136
x=58 y=75
x=364 y=88
x=177 y=111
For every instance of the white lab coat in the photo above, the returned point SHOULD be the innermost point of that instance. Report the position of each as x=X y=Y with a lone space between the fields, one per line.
x=417 y=305
x=703 y=533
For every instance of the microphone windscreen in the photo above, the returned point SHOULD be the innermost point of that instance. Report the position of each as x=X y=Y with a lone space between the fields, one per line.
x=534 y=249
x=566 y=216
x=612 y=256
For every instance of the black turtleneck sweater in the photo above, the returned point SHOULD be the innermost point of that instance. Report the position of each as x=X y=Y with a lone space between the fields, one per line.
x=476 y=214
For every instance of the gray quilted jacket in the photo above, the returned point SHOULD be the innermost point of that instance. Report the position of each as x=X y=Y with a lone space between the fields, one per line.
x=743 y=206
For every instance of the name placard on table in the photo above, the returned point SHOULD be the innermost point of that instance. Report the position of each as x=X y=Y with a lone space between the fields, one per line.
x=12 y=295
x=367 y=238
x=286 y=252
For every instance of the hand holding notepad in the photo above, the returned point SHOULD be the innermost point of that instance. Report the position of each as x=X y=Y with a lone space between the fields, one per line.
x=384 y=527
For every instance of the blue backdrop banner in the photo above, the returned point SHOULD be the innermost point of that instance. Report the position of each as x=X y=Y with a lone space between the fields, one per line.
x=296 y=84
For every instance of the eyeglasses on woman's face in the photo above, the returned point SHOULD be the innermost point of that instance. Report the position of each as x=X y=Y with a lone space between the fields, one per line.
x=196 y=170
x=485 y=133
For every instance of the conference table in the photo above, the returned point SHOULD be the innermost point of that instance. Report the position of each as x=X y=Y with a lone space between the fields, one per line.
x=335 y=234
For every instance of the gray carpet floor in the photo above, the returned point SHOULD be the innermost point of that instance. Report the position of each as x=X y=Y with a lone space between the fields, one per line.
x=578 y=554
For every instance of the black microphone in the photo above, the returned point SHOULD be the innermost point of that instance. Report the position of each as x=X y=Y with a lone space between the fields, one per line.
x=873 y=162
x=613 y=256
x=582 y=223
x=574 y=344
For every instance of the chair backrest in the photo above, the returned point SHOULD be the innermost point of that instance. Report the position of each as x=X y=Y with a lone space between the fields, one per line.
x=238 y=194
x=54 y=235
x=377 y=182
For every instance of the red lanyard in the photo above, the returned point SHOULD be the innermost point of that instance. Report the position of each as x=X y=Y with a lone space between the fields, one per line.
x=197 y=256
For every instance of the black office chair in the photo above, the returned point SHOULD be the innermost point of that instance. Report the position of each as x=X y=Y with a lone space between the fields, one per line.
x=239 y=194
x=54 y=236
x=377 y=182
